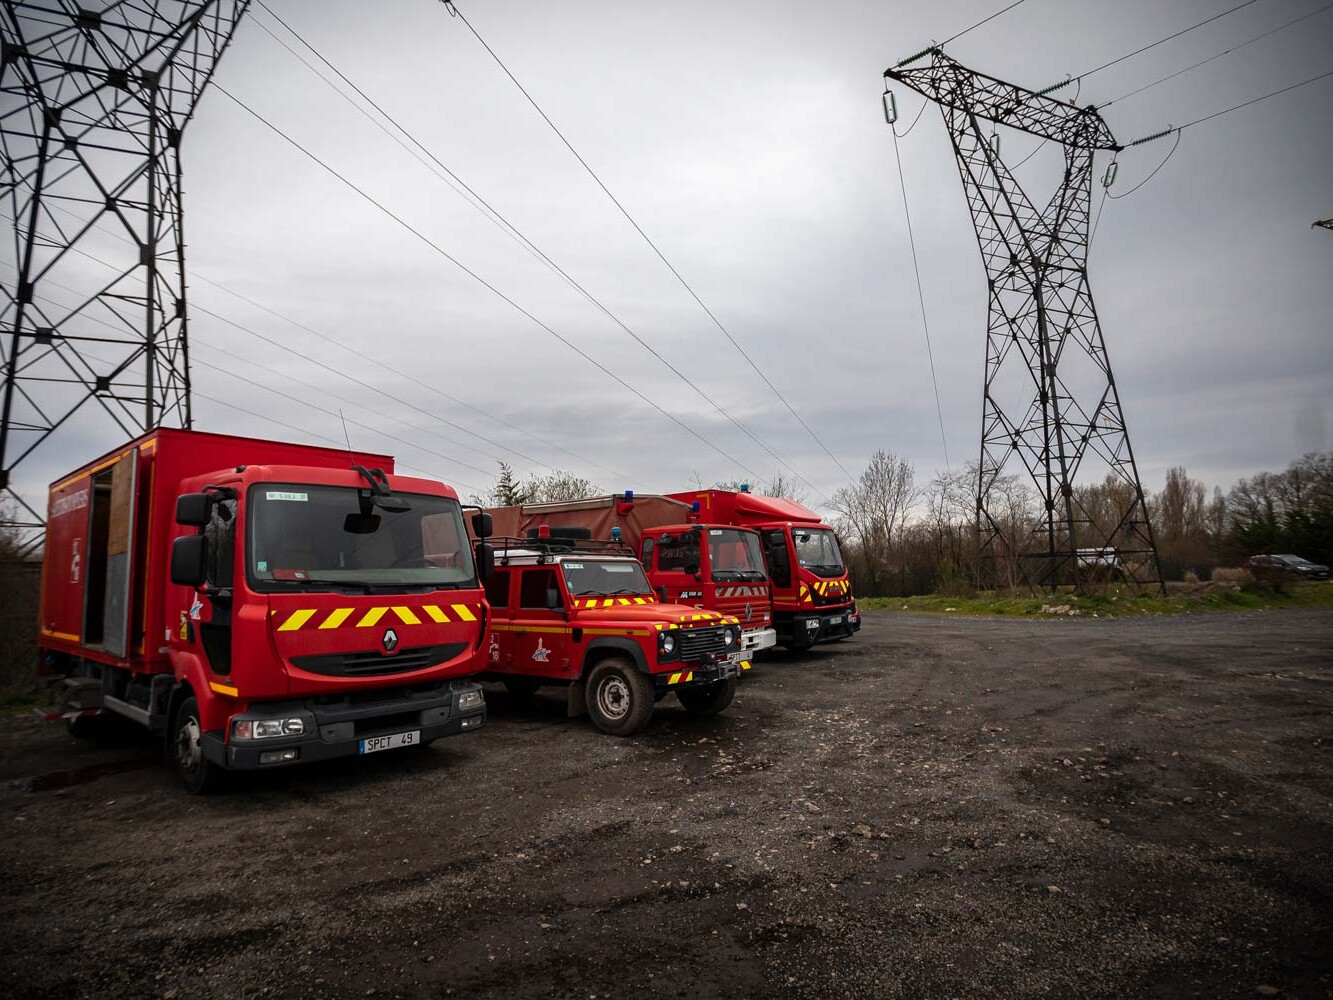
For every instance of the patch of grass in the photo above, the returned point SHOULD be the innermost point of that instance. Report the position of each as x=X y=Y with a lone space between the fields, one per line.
x=20 y=700
x=1115 y=603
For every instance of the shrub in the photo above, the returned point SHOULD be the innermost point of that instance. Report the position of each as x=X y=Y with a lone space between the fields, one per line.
x=1237 y=576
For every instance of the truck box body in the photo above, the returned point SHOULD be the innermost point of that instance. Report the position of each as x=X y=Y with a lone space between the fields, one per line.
x=727 y=574
x=812 y=595
x=324 y=592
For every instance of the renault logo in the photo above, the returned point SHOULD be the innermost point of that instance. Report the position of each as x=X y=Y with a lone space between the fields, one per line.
x=390 y=640
x=749 y=612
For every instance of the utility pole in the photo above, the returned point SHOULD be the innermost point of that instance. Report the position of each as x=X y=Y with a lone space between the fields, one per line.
x=1051 y=412
x=95 y=98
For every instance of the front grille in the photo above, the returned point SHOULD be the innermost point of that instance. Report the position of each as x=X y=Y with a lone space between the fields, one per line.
x=822 y=601
x=696 y=643
x=373 y=663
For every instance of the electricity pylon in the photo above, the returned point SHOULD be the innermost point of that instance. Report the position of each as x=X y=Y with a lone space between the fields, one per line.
x=1050 y=410
x=95 y=97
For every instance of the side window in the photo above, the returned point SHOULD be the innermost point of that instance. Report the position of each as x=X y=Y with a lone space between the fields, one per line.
x=535 y=583
x=220 y=545
x=679 y=553
x=647 y=560
x=775 y=553
x=497 y=589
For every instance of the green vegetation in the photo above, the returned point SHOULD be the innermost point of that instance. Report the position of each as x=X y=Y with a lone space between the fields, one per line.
x=1115 y=602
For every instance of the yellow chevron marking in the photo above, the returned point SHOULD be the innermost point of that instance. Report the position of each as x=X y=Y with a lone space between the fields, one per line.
x=296 y=619
x=436 y=615
x=406 y=615
x=336 y=617
x=464 y=612
x=223 y=688
x=690 y=676
x=745 y=664
x=371 y=617
x=640 y=600
x=622 y=600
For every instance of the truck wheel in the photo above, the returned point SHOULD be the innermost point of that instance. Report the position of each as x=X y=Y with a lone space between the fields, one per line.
x=85 y=727
x=708 y=699
x=521 y=688
x=198 y=774
x=620 y=697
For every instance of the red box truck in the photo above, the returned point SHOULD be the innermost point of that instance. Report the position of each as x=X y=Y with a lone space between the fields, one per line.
x=261 y=603
x=718 y=567
x=812 y=595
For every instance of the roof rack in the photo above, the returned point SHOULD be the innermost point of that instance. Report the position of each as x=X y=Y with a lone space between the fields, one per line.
x=546 y=547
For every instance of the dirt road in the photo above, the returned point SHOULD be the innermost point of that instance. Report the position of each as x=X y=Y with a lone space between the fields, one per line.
x=939 y=808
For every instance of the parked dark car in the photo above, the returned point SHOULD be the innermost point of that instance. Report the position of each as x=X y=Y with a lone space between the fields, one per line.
x=1286 y=565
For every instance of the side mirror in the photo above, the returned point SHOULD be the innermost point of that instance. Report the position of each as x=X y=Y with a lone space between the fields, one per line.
x=192 y=509
x=485 y=556
x=553 y=599
x=481 y=524
x=187 y=559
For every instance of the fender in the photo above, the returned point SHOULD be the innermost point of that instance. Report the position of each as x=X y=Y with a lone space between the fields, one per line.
x=191 y=669
x=621 y=645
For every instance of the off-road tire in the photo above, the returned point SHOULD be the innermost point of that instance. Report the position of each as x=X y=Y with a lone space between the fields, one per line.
x=707 y=699
x=619 y=697
x=198 y=774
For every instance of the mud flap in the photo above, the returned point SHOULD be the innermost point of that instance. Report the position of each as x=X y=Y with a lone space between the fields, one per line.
x=576 y=701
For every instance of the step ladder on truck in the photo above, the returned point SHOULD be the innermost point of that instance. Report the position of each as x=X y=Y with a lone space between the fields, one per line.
x=261 y=604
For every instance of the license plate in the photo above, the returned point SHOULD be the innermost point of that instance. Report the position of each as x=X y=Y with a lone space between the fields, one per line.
x=376 y=743
x=836 y=620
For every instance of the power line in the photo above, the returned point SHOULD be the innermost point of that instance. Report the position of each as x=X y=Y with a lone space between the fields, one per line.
x=639 y=229
x=921 y=297
x=342 y=345
x=477 y=277
x=1167 y=159
x=1151 y=45
x=1227 y=111
x=1203 y=62
x=515 y=233
x=984 y=20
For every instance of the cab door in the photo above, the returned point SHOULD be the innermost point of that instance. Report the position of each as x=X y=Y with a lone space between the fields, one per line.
x=540 y=625
x=108 y=600
x=678 y=569
x=499 y=595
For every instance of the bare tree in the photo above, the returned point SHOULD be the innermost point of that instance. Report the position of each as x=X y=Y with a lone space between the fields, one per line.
x=875 y=508
x=559 y=486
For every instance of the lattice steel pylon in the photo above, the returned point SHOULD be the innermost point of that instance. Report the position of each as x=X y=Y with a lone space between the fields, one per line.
x=95 y=99
x=1050 y=402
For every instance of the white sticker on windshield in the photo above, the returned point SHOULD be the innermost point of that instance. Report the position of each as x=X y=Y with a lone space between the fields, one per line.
x=715 y=531
x=616 y=568
x=573 y=565
x=279 y=495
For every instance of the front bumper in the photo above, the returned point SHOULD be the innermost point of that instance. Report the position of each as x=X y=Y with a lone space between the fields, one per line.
x=759 y=638
x=803 y=629
x=338 y=728
x=697 y=676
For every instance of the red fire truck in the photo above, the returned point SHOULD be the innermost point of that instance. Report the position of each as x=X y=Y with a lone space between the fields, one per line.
x=812 y=595
x=260 y=603
x=712 y=566
x=580 y=613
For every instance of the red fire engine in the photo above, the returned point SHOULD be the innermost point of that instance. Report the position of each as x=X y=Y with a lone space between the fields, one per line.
x=712 y=566
x=261 y=603
x=581 y=614
x=812 y=595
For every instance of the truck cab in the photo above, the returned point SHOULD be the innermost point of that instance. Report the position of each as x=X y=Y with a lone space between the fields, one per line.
x=812 y=593
x=581 y=614
x=273 y=611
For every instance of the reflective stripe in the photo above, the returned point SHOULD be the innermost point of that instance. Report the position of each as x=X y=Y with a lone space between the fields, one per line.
x=436 y=615
x=336 y=617
x=371 y=617
x=296 y=619
x=464 y=612
x=406 y=615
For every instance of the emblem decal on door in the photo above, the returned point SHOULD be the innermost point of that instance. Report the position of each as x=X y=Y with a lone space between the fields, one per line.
x=495 y=649
x=390 y=640
x=541 y=653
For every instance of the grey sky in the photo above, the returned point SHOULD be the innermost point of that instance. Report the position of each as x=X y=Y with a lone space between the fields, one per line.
x=747 y=139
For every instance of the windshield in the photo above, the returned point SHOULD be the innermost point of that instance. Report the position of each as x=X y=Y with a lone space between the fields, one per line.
x=605 y=577
x=817 y=548
x=735 y=555
x=301 y=537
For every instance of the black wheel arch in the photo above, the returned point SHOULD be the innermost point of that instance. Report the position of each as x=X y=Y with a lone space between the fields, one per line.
x=603 y=646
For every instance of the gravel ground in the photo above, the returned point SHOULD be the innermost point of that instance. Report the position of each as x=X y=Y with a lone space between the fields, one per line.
x=938 y=808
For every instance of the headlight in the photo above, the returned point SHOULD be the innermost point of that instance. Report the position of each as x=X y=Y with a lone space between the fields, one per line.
x=470 y=699
x=732 y=635
x=264 y=729
x=668 y=642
